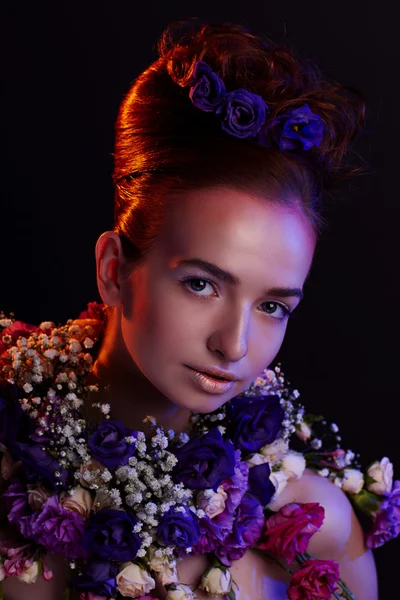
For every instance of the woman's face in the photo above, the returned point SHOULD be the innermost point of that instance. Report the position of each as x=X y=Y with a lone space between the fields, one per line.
x=177 y=315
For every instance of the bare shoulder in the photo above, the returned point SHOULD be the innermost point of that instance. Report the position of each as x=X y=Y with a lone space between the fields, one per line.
x=341 y=537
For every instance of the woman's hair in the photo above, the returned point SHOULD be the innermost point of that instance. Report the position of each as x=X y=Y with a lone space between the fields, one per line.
x=165 y=145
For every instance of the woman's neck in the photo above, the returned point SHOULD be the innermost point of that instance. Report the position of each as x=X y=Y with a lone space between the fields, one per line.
x=131 y=396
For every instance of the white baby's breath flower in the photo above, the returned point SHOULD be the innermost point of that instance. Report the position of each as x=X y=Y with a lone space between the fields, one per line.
x=303 y=431
x=50 y=353
x=75 y=346
x=323 y=472
x=27 y=387
x=46 y=325
x=88 y=343
x=316 y=443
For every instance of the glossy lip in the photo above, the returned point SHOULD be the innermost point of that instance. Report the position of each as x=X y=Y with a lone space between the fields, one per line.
x=209 y=384
x=215 y=373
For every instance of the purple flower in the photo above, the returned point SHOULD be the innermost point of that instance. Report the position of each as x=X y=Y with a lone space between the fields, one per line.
x=109 y=535
x=19 y=513
x=387 y=520
x=247 y=528
x=41 y=467
x=58 y=529
x=108 y=444
x=255 y=421
x=207 y=88
x=243 y=113
x=302 y=129
x=204 y=462
x=213 y=531
x=99 y=577
x=260 y=484
x=179 y=526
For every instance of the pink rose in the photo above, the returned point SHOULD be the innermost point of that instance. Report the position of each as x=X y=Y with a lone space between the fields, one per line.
x=288 y=531
x=316 y=579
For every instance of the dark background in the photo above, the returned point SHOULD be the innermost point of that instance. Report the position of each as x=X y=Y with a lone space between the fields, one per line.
x=65 y=69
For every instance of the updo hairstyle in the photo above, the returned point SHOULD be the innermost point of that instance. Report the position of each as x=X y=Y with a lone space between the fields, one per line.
x=165 y=145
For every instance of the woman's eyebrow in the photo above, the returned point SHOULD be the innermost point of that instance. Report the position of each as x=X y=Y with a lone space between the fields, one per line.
x=284 y=292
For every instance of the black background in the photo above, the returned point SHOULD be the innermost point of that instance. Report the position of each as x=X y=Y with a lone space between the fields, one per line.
x=65 y=68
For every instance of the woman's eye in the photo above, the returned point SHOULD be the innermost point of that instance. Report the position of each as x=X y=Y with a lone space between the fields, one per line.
x=198 y=285
x=273 y=306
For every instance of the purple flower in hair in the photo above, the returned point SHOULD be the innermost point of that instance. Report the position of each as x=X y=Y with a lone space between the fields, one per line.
x=207 y=88
x=243 y=113
x=302 y=129
x=387 y=520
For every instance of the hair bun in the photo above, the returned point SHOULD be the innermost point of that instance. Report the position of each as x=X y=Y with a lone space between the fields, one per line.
x=274 y=72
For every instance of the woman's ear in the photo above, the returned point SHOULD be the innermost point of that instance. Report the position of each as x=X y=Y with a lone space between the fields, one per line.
x=109 y=263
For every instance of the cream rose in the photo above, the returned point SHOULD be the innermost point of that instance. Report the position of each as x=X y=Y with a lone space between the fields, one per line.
x=293 y=464
x=180 y=592
x=382 y=472
x=213 y=503
x=2 y=572
x=275 y=451
x=37 y=496
x=304 y=431
x=31 y=574
x=257 y=459
x=353 y=481
x=279 y=479
x=217 y=582
x=166 y=571
x=79 y=502
x=133 y=581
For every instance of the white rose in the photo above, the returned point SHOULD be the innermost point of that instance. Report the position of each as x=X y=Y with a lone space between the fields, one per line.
x=382 y=472
x=275 y=451
x=213 y=503
x=353 y=481
x=217 y=582
x=133 y=581
x=303 y=431
x=79 y=502
x=279 y=479
x=180 y=592
x=31 y=574
x=293 y=464
x=2 y=572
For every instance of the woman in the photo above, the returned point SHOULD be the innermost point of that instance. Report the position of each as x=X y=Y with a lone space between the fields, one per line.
x=223 y=148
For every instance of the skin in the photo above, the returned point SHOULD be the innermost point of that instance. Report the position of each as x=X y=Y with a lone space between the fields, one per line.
x=161 y=324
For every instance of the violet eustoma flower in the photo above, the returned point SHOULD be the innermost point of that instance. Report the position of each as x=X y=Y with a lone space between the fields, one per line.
x=204 y=462
x=99 y=577
x=254 y=422
x=179 y=526
x=108 y=446
x=302 y=130
x=242 y=113
x=109 y=535
x=260 y=484
x=207 y=88
x=387 y=520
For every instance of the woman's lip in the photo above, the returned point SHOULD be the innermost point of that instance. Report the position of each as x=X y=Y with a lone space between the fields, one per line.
x=210 y=384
